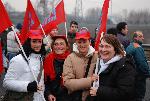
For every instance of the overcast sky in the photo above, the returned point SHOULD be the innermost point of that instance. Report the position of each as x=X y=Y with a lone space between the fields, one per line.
x=117 y=5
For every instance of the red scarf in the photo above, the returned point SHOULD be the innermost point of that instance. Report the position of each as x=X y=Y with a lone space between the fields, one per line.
x=49 y=66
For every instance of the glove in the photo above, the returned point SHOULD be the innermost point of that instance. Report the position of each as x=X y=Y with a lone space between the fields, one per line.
x=32 y=86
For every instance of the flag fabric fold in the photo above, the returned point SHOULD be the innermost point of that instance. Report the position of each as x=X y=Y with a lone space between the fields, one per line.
x=103 y=25
x=60 y=13
x=5 y=21
x=57 y=16
x=30 y=22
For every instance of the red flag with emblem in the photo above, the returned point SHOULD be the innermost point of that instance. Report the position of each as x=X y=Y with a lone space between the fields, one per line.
x=30 y=22
x=56 y=17
x=103 y=23
x=5 y=21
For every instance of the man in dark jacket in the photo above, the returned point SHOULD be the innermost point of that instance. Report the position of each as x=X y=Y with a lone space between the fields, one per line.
x=72 y=33
x=122 y=29
x=142 y=68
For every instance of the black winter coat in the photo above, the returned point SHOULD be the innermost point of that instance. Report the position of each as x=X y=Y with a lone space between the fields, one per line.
x=117 y=82
x=54 y=87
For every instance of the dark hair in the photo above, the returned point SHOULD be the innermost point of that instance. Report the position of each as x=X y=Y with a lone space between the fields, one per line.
x=28 y=50
x=121 y=26
x=73 y=22
x=96 y=29
x=19 y=26
x=111 y=39
x=112 y=31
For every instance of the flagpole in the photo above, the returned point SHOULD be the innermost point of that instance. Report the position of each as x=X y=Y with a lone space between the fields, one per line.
x=19 y=43
x=66 y=29
x=102 y=34
x=96 y=70
x=45 y=36
x=26 y=59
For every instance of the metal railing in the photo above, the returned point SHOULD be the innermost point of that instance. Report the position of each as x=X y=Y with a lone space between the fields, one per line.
x=147 y=51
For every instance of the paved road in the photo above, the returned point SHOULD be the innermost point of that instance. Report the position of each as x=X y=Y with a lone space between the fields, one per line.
x=147 y=96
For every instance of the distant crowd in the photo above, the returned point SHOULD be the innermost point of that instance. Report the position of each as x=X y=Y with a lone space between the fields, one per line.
x=67 y=67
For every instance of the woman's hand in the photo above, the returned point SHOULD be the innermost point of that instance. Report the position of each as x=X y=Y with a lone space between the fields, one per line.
x=94 y=77
x=40 y=87
x=93 y=91
x=51 y=98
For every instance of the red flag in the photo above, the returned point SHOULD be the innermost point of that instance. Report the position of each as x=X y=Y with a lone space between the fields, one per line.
x=60 y=13
x=5 y=21
x=103 y=23
x=48 y=27
x=56 y=17
x=31 y=21
x=1 y=60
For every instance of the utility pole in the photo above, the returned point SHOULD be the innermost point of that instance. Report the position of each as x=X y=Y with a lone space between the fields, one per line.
x=78 y=10
x=41 y=7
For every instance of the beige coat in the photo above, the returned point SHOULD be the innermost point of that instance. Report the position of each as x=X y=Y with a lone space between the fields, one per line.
x=74 y=71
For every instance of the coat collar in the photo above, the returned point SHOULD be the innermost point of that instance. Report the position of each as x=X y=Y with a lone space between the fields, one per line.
x=109 y=63
x=108 y=69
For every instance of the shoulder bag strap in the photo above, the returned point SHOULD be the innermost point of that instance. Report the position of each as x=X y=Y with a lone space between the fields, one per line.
x=88 y=66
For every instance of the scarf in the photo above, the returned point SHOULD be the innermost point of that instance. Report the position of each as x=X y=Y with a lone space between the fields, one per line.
x=49 y=64
x=105 y=65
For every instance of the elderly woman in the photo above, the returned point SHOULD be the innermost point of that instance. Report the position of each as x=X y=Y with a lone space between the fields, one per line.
x=115 y=72
x=20 y=80
x=53 y=67
x=79 y=66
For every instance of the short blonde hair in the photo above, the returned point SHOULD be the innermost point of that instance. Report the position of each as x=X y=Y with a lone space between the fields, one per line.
x=137 y=33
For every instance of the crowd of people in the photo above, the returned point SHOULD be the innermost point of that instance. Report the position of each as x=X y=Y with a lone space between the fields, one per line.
x=67 y=68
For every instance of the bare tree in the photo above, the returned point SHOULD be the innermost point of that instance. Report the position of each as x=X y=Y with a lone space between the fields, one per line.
x=9 y=7
x=92 y=16
x=139 y=17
